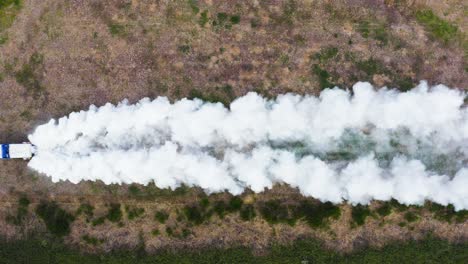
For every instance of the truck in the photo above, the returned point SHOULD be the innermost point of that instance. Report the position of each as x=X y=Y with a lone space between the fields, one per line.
x=17 y=151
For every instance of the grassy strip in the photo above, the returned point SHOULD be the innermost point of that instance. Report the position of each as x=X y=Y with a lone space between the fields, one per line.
x=429 y=250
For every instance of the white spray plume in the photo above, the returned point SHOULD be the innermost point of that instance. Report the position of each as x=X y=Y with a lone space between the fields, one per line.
x=341 y=146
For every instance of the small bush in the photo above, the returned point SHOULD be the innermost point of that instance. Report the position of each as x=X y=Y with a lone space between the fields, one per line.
x=117 y=29
x=91 y=240
x=134 y=190
x=204 y=202
x=194 y=214
x=114 y=214
x=247 y=212
x=384 y=210
x=370 y=67
x=133 y=213
x=99 y=221
x=235 y=19
x=21 y=213
x=220 y=208
x=203 y=18
x=323 y=77
x=359 y=214
x=326 y=54
x=448 y=213
x=161 y=216
x=169 y=231
x=410 y=216
x=317 y=214
x=275 y=212
x=86 y=209
x=56 y=219
x=155 y=232
x=235 y=204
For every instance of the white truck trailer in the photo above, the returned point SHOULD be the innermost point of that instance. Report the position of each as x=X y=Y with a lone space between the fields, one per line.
x=17 y=151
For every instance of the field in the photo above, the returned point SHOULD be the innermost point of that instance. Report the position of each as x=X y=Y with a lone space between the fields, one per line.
x=62 y=56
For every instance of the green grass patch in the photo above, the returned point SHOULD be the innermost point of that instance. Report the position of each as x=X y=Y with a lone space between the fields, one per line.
x=55 y=218
x=429 y=250
x=117 y=29
x=359 y=213
x=8 y=11
x=436 y=26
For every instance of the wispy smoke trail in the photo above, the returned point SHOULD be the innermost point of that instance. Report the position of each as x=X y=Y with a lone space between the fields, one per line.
x=359 y=146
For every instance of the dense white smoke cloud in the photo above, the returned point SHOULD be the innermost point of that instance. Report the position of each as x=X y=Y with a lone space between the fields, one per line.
x=359 y=146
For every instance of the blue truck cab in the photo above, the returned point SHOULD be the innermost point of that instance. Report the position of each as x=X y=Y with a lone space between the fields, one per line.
x=17 y=151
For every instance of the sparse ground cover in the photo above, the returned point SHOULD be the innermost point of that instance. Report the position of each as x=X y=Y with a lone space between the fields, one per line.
x=57 y=57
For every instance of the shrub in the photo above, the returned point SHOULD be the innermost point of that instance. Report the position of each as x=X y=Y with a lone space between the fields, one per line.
x=247 y=212
x=194 y=214
x=220 y=208
x=161 y=216
x=235 y=204
x=448 y=213
x=235 y=19
x=86 y=209
x=275 y=212
x=169 y=231
x=99 y=221
x=384 y=210
x=359 y=214
x=114 y=214
x=56 y=219
x=91 y=240
x=410 y=216
x=323 y=77
x=133 y=213
x=204 y=202
x=317 y=214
